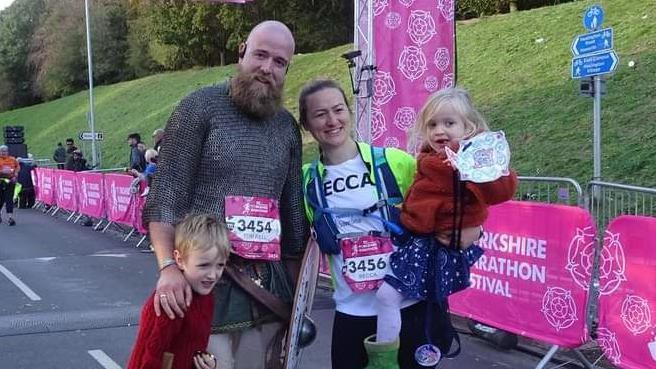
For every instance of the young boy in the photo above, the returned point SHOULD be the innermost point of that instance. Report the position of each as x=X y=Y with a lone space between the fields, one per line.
x=201 y=252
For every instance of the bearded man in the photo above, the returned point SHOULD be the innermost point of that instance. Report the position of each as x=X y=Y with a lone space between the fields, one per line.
x=234 y=151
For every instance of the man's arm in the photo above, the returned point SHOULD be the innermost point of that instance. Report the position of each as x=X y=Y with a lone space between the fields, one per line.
x=171 y=193
x=171 y=282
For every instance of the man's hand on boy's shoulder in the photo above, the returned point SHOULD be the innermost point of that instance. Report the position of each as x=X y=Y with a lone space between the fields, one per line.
x=172 y=294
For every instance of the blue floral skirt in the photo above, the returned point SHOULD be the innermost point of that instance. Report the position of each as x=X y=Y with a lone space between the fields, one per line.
x=425 y=269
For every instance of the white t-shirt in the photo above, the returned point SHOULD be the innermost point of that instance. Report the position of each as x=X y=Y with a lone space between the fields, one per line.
x=348 y=185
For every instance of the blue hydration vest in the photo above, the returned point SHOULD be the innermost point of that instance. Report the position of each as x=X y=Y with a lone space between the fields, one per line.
x=389 y=195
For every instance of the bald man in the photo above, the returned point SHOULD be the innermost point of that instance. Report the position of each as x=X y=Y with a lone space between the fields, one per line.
x=234 y=151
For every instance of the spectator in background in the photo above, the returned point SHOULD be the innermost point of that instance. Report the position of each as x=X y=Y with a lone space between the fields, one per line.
x=70 y=148
x=77 y=162
x=158 y=139
x=60 y=156
x=151 y=166
x=9 y=169
x=137 y=159
x=27 y=195
x=147 y=175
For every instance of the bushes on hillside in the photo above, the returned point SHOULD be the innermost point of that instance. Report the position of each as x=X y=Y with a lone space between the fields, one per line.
x=476 y=8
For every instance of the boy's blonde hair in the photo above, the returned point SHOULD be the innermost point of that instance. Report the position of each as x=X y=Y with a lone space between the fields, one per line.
x=460 y=101
x=201 y=232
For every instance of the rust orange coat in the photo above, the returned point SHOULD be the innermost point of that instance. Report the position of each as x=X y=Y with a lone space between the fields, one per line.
x=429 y=205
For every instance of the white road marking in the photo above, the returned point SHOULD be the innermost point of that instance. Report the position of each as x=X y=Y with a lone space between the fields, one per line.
x=112 y=255
x=49 y=258
x=104 y=360
x=22 y=286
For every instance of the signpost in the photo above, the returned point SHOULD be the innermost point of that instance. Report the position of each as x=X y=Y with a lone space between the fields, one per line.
x=89 y=136
x=593 y=17
x=593 y=42
x=593 y=57
x=594 y=64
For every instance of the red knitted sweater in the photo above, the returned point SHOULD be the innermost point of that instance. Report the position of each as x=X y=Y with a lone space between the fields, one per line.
x=181 y=336
x=429 y=206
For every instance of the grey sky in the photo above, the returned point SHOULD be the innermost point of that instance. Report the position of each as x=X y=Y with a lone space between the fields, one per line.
x=5 y=3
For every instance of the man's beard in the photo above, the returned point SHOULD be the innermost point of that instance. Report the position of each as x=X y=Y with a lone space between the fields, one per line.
x=256 y=99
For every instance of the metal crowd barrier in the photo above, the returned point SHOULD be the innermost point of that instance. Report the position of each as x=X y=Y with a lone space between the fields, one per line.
x=550 y=190
x=607 y=201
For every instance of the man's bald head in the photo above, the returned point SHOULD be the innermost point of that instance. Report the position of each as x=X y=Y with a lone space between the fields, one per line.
x=275 y=31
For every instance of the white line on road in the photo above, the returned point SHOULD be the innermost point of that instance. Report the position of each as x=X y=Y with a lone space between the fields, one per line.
x=22 y=286
x=103 y=359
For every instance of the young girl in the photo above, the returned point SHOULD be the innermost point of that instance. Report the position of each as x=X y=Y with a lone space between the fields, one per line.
x=201 y=252
x=439 y=204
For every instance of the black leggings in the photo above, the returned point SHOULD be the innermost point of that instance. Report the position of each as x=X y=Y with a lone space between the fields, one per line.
x=7 y=195
x=349 y=332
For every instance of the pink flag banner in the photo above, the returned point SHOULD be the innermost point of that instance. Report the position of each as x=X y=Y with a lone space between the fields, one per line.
x=46 y=186
x=65 y=190
x=90 y=191
x=627 y=328
x=119 y=204
x=534 y=276
x=415 y=55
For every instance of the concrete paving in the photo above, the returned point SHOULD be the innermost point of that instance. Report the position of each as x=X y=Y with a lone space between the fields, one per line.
x=87 y=289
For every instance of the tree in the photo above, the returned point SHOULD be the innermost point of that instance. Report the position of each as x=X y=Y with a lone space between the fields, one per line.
x=17 y=26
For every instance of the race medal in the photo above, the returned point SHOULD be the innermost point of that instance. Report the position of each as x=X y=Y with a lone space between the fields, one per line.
x=254 y=225
x=427 y=355
x=482 y=158
x=366 y=261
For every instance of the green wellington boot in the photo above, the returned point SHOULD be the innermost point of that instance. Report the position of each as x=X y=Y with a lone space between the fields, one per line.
x=382 y=355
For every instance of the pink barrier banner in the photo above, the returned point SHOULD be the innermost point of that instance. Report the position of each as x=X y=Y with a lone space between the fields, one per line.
x=91 y=198
x=119 y=203
x=35 y=179
x=46 y=186
x=140 y=202
x=534 y=275
x=627 y=330
x=65 y=190
x=414 y=49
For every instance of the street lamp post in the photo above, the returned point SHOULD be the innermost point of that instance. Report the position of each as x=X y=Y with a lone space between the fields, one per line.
x=94 y=154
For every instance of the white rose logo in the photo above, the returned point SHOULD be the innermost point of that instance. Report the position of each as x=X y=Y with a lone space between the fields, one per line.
x=606 y=339
x=636 y=314
x=384 y=88
x=446 y=8
x=392 y=20
x=392 y=142
x=404 y=119
x=431 y=83
x=559 y=308
x=611 y=264
x=580 y=256
x=442 y=58
x=421 y=27
x=412 y=62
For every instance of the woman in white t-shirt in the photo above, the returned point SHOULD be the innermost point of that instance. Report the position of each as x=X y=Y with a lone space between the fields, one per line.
x=352 y=193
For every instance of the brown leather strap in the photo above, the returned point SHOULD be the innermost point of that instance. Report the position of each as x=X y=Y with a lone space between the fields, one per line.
x=266 y=298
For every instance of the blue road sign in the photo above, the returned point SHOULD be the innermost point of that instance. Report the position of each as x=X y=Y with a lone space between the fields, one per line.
x=593 y=42
x=594 y=64
x=593 y=17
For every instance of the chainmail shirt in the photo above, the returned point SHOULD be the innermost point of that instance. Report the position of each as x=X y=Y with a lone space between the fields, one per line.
x=212 y=150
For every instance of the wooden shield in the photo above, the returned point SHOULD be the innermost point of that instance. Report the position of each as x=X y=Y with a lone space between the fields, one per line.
x=303 y=299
